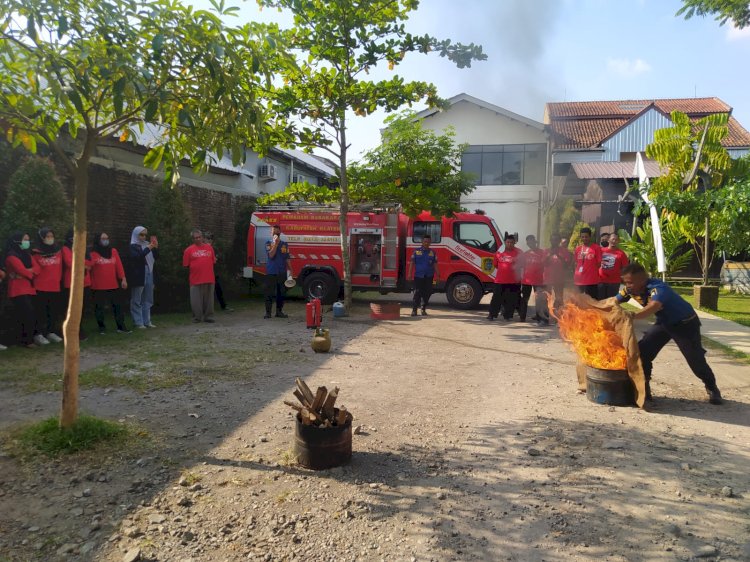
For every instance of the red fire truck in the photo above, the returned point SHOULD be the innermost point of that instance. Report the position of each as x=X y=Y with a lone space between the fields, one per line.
x=381 y=243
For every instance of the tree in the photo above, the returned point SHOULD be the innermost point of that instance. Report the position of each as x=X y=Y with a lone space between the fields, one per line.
x=738 y=11
x=339 y=42
x=414 y=167
x=74 y=72
x=698 y=171
x=561 y=218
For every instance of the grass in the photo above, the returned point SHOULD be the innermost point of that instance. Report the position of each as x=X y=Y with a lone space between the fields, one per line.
x=88 y=432
x=731 y=352
x=732 y=306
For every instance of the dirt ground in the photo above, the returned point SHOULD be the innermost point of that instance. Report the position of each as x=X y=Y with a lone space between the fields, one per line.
x=472 y=444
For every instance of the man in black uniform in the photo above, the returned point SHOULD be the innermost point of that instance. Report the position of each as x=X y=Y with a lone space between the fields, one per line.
x=675 y=320
x=424 y=263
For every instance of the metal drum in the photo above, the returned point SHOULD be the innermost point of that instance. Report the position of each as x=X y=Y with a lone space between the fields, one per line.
x=613 y=388
x=319 y=448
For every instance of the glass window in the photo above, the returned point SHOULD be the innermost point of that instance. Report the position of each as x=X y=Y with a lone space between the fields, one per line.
x=492 y=167
x=476 y=235
x=512 y=168
x=535 y=165
x=471 y=163
x=434 y=229
x=508 y=164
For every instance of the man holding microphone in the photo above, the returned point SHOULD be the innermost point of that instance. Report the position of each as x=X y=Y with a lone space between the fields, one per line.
x=277 y=252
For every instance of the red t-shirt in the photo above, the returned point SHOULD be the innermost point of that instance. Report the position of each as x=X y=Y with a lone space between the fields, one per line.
x=67 y=254
x=612 y=263
x=20 y=278
x=588 y=259
x=533 y=267
x=200 y=260
x=556 y=265
x=507 y=266
x=106 y=273
x=50 y=272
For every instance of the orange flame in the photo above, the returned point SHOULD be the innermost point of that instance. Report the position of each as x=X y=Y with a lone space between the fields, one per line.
x=591 y=337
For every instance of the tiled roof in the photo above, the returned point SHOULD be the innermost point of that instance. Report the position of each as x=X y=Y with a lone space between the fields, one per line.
x=613 y=170
x=580 y=125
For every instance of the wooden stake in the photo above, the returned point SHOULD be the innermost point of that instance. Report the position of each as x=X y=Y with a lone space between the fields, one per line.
x=320 y=397
x=305 y=390
x=328 y=411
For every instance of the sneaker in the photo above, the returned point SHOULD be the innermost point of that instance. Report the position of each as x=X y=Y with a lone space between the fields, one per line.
x=209 y=320
x=124 y=331
x=267 y=315
x=414 y=312
x=2 y=347
x=140 y=327
x=714 y=396
x=424 y=312
x=54 y=338
x=39 y=339
x=280 y=314
x=150 y=325
x=489 y=317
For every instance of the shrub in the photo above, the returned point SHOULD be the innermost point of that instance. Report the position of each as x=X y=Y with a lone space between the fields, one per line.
x=47 y=436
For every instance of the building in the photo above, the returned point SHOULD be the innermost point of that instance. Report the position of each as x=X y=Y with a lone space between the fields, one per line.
x=508 y=156
x=594 y=145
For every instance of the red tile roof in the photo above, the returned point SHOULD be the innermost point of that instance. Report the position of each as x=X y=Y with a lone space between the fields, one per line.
x=586 y=124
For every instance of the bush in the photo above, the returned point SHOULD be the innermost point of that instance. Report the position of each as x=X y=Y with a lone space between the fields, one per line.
x=47 y=436
x=561 y=218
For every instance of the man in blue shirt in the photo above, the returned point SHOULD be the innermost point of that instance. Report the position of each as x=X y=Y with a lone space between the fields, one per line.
x=277 y=252
x=675 y=320
x=424 y=261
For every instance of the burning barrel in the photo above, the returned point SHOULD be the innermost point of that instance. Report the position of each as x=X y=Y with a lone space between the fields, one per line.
x=319 y=448
x=610 y=386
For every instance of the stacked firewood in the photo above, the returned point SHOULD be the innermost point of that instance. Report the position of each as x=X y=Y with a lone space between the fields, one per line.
x=318 y=409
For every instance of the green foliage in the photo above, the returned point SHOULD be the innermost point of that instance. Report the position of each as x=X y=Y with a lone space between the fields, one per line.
x=169 y=221
x=641 y=247
x=35 y=199
x=736 y=11
x=575 y=235
x=304 y=192
x=561 y=218
x=238 y=253
x=47 y=437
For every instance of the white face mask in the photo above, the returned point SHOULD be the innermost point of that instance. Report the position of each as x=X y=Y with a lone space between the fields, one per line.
x=105 y=243
x=49 y=241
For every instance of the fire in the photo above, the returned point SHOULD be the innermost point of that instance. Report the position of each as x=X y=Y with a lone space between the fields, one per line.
x=591 y=337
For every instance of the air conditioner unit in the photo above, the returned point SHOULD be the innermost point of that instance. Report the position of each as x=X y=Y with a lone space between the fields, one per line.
x=298 y=178
x=267 y=172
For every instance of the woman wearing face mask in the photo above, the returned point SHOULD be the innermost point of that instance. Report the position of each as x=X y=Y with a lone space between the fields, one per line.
x=143 y=254
x=49 y=303
x=21 y=270
x=107 y=277
x=67 y=254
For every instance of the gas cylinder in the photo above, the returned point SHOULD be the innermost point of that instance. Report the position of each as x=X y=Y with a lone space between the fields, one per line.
x=321 y=341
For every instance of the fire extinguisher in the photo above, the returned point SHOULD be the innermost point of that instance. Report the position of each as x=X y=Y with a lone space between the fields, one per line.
x=313 y=313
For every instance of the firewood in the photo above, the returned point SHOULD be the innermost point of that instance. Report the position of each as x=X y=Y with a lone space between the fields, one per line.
x=342 y=416
x=305 y=390
x=328 y=410
x=301 y=398
x=304 y=416
x=293 y=406
x=320 y=397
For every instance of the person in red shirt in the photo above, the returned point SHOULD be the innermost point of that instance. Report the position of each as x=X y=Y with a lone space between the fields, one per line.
x=588 y=258
x=613 y=260
x=21 y=270
x=507 y=287
x=532 y=263
x=200 y=258
x=48 y=285
x=107 y=278
x=67 y=255
x=557 y=265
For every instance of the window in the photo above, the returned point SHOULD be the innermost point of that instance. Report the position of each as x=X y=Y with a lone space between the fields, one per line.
x=422 y=228
x=506 y=164
x=476 y=235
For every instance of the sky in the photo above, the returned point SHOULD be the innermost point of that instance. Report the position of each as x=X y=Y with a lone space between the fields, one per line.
x=543 y=51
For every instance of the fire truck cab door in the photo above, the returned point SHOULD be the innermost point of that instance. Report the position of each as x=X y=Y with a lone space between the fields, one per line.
x=480 y=240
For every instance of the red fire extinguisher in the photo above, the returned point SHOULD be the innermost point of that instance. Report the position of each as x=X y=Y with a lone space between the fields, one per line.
x=313 y=313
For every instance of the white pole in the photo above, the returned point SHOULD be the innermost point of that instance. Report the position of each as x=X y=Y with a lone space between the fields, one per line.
x=640 y=171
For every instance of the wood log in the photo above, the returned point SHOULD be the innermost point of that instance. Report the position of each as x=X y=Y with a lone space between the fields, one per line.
x=328 y=410
x=301 y=398
x=305 y=390
x=320 y=397
x=342 y=416
x=293 y=406
x=304 y=416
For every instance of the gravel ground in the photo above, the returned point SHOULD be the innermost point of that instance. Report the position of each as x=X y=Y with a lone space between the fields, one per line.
x=471 y=444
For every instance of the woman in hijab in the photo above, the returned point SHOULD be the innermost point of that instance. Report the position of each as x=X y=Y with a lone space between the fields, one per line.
x=48 y=285
x=107 y=277
x=143 y=254
x=67 y=254
x=21 y=270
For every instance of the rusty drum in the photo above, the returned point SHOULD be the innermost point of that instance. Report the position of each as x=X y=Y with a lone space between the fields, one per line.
x=613 y=388
x=319 y=448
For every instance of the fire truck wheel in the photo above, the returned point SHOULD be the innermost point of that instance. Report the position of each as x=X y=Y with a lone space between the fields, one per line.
x=464 y=292
x=321 y=286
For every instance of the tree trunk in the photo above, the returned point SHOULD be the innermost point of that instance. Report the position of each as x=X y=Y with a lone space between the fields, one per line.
x=344 y=212
x=71 y=327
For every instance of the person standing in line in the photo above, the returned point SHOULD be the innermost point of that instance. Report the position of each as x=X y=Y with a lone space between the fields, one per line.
x=610 y=271
x=107 y=278
x=199 y=258
x=424 y=265
x=588 y=258
x=143 y=255
x=675 y=320
x=21 y=270
x=277 y=252
x=507 y=287
x=604 y=239
x=48 y=285
x=557 y=266
x=218 y=290
x=67 y=255
x=2 y=277
x=532 y=265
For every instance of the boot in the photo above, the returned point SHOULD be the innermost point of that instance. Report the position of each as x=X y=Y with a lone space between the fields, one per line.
x=424 y=311
x=268 y=311
x=280 y=313
x=414 y=312
x=649 y=397
x=714 y=396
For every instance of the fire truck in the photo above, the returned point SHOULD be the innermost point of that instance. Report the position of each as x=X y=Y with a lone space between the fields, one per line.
x=381 y=243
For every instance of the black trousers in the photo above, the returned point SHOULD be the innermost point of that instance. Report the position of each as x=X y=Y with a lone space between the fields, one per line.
x=590 y=290
x=49 y=312
x=113 y=298
x=523 y=302
x=687 y=336
x=505 y=296
x=25 y=313
x=422 y=291
x=274 y=288
x=607 y=290
x=219 y=293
